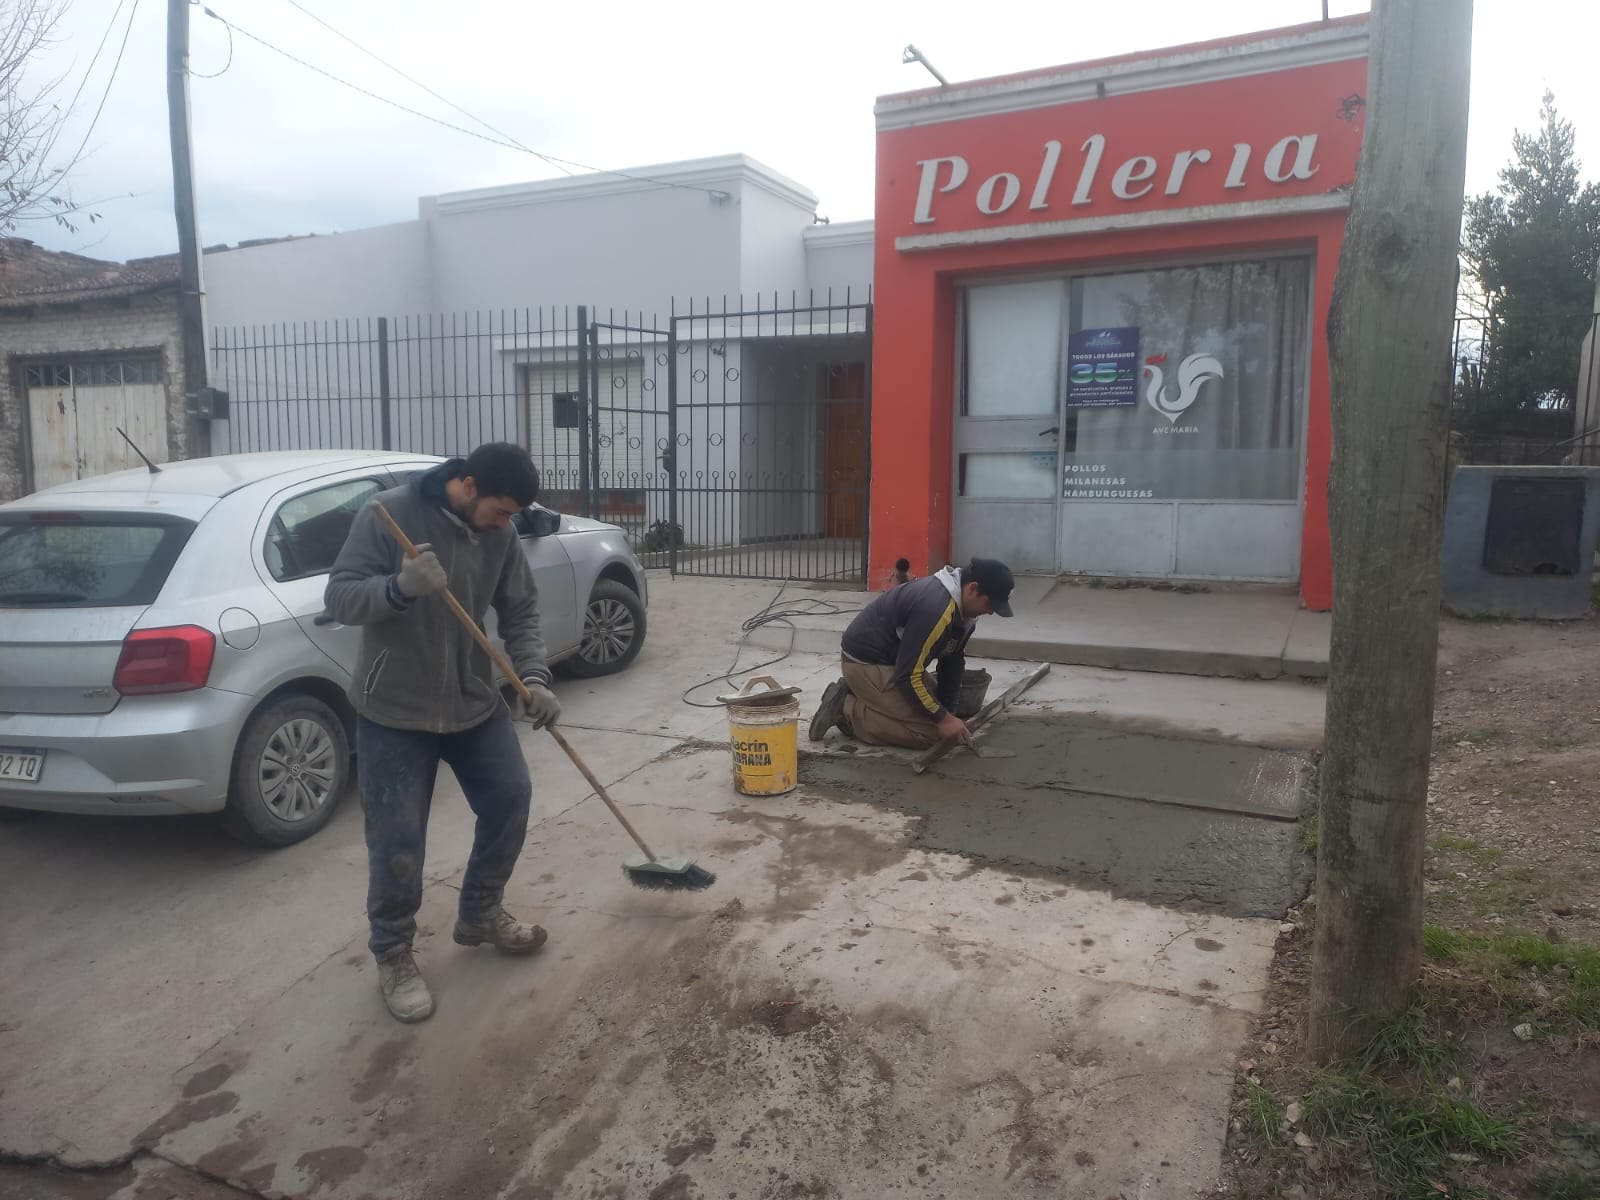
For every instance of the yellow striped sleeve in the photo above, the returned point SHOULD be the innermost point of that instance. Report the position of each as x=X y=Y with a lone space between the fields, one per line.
x=919 y=681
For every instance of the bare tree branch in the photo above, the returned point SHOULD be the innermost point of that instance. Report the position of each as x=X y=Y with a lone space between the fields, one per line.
x=31 y=116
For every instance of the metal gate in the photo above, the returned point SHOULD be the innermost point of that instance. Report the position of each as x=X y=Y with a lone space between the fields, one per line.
x=625 y=406
x=726 y=441
x=770 y=416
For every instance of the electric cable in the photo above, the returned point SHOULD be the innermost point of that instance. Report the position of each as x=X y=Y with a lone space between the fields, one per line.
x=774 y=613
x=553 y=159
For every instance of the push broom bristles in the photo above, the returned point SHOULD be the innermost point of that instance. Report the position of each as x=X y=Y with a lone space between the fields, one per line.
x=667 y=875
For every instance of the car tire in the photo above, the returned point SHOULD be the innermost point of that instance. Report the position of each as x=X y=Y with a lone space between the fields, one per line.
x=270 y=801
x=613 y=631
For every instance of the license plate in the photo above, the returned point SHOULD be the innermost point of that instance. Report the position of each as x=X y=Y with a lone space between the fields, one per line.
x=21 y=766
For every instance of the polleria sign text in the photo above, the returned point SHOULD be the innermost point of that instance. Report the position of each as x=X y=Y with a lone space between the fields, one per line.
x=1291 y=158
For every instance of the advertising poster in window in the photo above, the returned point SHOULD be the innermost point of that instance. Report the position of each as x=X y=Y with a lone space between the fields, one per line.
x=1103 y=367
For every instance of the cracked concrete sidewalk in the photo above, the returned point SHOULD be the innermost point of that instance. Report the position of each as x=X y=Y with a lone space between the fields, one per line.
x=844 y=1014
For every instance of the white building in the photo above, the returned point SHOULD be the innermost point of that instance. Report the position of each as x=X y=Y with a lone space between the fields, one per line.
x=463 y=326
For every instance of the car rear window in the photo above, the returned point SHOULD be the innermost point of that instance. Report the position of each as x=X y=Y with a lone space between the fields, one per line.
x=86 y=560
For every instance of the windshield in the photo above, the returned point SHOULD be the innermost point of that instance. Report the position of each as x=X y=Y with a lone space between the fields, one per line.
x=86 y=560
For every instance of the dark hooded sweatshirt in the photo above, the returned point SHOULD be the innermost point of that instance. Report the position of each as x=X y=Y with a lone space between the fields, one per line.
x=419 y=669
x=910 y=626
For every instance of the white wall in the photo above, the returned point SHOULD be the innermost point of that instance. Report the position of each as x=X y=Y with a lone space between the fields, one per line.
x=710 y=228
x=772 y=256
x=839 y=257
x=628 y=250
x=364 y=273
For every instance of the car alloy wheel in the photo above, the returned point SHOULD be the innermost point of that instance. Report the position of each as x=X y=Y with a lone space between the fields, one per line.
x=297 y=769
x=608 y=631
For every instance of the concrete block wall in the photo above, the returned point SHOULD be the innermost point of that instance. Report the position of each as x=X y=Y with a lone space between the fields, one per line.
x=139 y=324
x=1469 y=589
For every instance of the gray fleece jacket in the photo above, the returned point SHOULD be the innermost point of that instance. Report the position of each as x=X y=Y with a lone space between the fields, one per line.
x=419 y=669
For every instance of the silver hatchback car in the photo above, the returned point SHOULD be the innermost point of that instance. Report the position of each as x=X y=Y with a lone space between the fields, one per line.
x=163 y=647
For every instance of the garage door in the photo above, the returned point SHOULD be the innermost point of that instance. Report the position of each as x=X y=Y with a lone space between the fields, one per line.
x=75 y=409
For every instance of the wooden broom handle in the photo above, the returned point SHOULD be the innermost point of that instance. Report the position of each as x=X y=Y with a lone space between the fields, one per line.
x=499 y=660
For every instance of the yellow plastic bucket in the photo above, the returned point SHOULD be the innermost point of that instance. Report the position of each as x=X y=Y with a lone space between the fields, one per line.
x=763 y=735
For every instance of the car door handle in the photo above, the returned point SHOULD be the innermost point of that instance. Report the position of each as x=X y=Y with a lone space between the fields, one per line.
x=1048 y=432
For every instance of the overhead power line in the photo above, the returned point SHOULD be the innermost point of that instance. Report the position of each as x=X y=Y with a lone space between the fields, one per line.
x=501 y=140
x=554 y=162
x=101 y=107
x=72 y=104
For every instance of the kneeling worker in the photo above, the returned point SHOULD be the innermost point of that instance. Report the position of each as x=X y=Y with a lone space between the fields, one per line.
x=888 y=697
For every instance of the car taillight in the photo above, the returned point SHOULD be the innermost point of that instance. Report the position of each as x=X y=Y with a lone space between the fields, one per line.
x=165 y=660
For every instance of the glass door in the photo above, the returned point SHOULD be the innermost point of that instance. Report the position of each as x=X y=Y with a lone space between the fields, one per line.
x=1008 y=423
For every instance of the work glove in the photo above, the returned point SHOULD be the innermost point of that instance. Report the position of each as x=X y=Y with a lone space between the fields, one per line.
x=422 y=575
x=544 y=709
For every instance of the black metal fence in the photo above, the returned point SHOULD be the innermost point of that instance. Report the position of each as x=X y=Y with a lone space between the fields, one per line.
x=725 y=440
x=1561 y=427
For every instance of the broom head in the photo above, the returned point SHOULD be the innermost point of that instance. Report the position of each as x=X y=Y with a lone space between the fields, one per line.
x=667 y=874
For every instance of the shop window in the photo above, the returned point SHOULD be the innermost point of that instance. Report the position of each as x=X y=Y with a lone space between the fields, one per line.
x=1218 y=404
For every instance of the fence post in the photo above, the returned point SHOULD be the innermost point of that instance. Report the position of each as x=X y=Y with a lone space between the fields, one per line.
x=670 y=459
x=595 y=433
x=583 y=409
x=866 y=485
x=383 y=382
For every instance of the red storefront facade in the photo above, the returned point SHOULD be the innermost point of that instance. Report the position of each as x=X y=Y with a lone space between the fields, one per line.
x=1101 y=293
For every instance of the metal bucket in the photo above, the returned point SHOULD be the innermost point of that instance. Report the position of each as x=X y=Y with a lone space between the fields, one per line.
x=974 y=690
x=763 y=735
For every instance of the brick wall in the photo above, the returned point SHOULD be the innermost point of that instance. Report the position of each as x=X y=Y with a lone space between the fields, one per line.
x=141 y=323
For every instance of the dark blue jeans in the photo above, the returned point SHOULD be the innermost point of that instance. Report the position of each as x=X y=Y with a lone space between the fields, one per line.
x=397 y=768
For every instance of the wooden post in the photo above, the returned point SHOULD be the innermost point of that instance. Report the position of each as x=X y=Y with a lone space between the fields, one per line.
x=191 y=284
x=1389 y=336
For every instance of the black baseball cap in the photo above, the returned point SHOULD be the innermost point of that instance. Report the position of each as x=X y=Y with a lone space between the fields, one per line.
x=994 y=580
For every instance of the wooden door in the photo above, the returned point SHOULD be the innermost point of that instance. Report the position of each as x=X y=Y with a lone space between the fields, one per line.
x=845 y=451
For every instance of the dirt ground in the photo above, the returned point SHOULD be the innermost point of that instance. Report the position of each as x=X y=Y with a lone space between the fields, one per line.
x=1490 y=1086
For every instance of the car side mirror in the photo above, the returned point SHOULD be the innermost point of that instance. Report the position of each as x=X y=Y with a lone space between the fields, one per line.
x=538 y=522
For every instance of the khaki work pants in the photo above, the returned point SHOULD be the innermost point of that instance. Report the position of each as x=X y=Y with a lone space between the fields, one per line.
x=880 y=713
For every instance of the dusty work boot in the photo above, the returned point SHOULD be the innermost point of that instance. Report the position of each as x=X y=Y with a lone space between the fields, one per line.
x=830 y=711
x=403 y=988
x=502 y=931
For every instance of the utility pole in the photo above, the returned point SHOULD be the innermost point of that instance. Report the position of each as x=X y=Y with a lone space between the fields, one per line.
x=1389 y=336
x=191 y=282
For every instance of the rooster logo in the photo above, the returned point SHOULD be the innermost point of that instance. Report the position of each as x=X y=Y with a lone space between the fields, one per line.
x=1192 y=373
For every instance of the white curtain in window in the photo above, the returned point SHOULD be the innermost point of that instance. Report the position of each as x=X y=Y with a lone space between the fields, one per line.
x=1221 y=415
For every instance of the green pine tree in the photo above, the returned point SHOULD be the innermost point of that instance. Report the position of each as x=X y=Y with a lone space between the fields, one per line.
x=1531 y=249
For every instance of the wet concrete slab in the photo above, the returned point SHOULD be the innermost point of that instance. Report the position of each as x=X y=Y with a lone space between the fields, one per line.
x=1178 y=821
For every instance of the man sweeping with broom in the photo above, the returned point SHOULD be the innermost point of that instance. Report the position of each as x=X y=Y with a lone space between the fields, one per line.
x=424 y=692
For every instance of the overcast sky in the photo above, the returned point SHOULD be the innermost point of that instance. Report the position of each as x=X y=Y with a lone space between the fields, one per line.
x=280 y=150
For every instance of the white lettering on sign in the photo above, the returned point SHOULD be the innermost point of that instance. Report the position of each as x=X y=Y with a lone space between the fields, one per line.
x=1047 y=176
x=1291 y=159
x=1241 y=160
x=1181 y=162
x=930 y=174
x=1135 y=170
x=1093 y=149
x=986 y=201
x=1305 y=147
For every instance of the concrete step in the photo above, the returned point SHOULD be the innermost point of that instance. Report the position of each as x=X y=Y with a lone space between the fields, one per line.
x=1241 y=634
